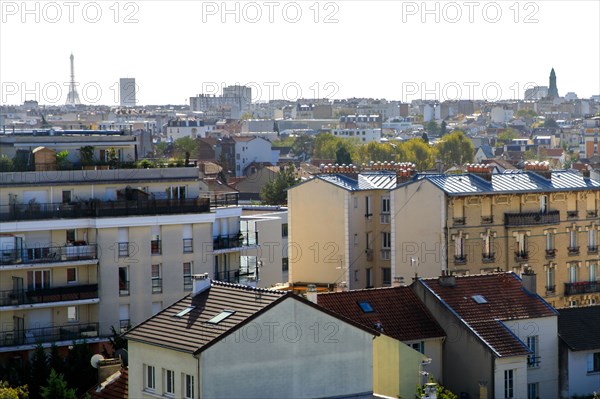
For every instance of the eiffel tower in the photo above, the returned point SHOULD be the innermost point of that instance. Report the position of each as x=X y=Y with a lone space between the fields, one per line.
x=73 y=96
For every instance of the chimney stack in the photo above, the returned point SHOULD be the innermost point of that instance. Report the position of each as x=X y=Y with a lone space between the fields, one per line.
x=541 y=168
x=201 y=283
x=481 y=170
x=447 y=280
x=528 y=279
x=311 y=293
x=398 y=281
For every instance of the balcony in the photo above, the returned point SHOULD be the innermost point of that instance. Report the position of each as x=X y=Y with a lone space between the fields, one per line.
x=521 y=256
x=487 y=219
x=95 y=208
x=531 y=218
x=47 y=295
x=591 y=214
x=34 y=336
x=572 y=214
x=592 y=249
x=459 y=221
x=582 y=287
x=460 y=259
x=550 y=253
x=228 y=276
x=67 y=253
x=124 y=325
x=573 y=251
x=550 y=290
x=488 y=257
x=235 y=241
x=385 y=218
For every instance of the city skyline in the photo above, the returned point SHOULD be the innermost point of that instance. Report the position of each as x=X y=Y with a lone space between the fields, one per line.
x=491 y=58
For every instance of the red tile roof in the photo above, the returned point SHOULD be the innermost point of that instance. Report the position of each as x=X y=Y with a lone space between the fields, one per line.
x=401 y=314
x=116 y=388
x=506 y=299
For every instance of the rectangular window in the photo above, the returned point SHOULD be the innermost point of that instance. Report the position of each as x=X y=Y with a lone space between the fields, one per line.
x=155 y=247
x=386 y=240
x=72 y=313
x=123 y=249
x=592 y=241
x=419 y=346
x=188 y=245
x=369 y=278
x=71 y=275
x=156 y=279
x=573 y=273
x=550 y=279
x=533 y=358
x=187 y=276
x=123 y=280
x=285 y=264
x=509 y=388
x=543 y=203
x=150 y=381
x=488 y=246
x=38 y=279
x=533 y=390
x=386 y=272
x=188 y=386
x=385 y=205
x=368 y=210
x=573 y=238
x=66 y=196
x=169 y=387
x=593 y=362
x=284 y=229
x=550 y=241
x=70 y=235
x=593 y=272
x=521 y=245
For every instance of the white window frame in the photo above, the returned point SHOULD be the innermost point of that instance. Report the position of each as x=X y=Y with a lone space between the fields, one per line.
x=72 y=281
x=149 y=378
x=169 y=382
x=509 y=384
x=72 y=314
x=188 y=386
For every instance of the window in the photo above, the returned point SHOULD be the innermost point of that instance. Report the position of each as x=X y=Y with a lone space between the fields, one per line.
x=386 y=240
x=38 y=279
x=521 y=245
x=156 y=280
x=385 y=205
x=150 y=381
x=169 y=386
x=549 y=242
x=188 y=284
x=123 y=249
x=176 y=192
x=573 y=273
x=533 y=358
x=70 y=235
x=592 y=240
x=386 y=273
x=284 y=229
x=285 y=264
x=71 y=275
x=550 y=279
x=418 y=346
x=593 y=362
x=593 y=272
x=221 y=316
x=368 y=210
x=488 y=245
x=572 y=238
x=188 y=245
x=155 y=246
x=533 y=390
x=508 y=384
x=72 y=313
x=124 y=280
x=459 y=248
x=369 y=277
x=543 y=203
x=365 y=307
x=66 y=196
x=188 y=386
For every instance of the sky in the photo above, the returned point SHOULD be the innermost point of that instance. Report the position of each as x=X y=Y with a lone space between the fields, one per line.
x=398 y=50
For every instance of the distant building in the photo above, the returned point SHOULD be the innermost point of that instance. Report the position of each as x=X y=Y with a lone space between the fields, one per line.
x=553 y=91
x=536 y=93
x=127 y=91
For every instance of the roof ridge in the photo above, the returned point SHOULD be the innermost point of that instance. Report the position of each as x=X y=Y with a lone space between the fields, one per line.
x=246 y=287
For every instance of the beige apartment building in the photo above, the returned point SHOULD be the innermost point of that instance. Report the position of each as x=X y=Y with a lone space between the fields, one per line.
x=84 y=251
x=468 y=223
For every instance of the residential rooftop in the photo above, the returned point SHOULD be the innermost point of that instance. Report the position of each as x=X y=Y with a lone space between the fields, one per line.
x=579 y=327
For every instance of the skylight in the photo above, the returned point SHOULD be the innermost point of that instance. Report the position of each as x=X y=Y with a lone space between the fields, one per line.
x=221 y=316
x=366 y=307
x=185 y=311
x=479 y=298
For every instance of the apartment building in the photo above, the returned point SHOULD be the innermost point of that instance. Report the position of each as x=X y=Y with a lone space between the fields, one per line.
x=478 y=222
x=84 y=251
x=340 y=228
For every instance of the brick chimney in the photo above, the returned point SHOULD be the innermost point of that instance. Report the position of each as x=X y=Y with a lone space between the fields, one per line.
x=447 y=280
x=541 y=168
x=481 y=170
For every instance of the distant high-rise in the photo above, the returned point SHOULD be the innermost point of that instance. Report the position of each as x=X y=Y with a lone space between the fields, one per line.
x=552 y=90
x=127 y=91
x=73 y=96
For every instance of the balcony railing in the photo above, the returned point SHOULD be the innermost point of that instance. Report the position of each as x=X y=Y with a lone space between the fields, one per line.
x=97 y=208
x=521 y=256
x=459 y=221
x=385 y=218
x=228 y=276
x=487 y=219
x=155 y=247
x=34 y=336
x=235 y=241
x=572 y=214
x=551 y=253
x=550 y=289
x=488 y=257
x=592 y=249
x=573 y=250
x=45 y=295
x=188 y=283
x=582 y=287
x=592 y=214
x=386 y=254
x=67 y=253
x=157 y=285
x=124 y=325
x=460 y=259
x=531 y=218
x=123 y=288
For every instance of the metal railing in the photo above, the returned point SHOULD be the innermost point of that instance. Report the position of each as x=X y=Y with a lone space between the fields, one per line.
x=550 y=253
x=235 y=240
x=582 y=287
x=487 y=219
x=460 y=259
x=157 y=286
x=573 y=250
x=488 y=257
x=45 y=295
x=123 y=288
x=228 y=276
x=459 y=221
x=65 y=253
x=521 y=256
x=34 y=336
x=592 y=249
x=531 y=218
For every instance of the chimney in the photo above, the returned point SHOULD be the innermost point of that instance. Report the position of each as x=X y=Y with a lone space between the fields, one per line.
x=481 y=170
x=528 y=279
x=541 y=168
x=447 y=280
x=586 y=171
x=201 y=283
x=107 y=367
x=311 y=293
x=398 y=281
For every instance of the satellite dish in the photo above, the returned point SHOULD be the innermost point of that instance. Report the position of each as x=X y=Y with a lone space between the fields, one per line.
x=96 y=359
x=123 y=355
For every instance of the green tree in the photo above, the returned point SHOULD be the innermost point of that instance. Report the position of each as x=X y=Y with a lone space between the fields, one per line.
x=507 y=135
x=38 y=371
x=56 y=388
x=550 y=123
x=111 y=156
x=78 y=371
x=419 y=153
x=455 y=149
x=6 y=164
x=55 y=361
x=442 y=393
x=275 y=191
x=62 y=162
x=304 y=145
x=325 y=146
x=8 y=392
x=443 y=128
x=160 y=149
x=526 y=113
x=185 y=145
x=86 y=155
x=432 y=127
x=342 y=155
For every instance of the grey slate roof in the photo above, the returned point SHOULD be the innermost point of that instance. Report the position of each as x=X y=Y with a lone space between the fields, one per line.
x=579 y=328
x=381 y=180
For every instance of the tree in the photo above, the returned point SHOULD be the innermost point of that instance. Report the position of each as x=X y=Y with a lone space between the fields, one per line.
x=86 y=155
x=443 y=129
x=507 y=135
x=160 y=149
x=62 y=162
x=304 y=145
x=425 y=138
x=418 y=153
x=550 y=123
x=78 y=370
x=38 y=371
x=455 y=149
x=7 y=392
x=342 y=155
x=275 y=191
x=432 y=128
x=526 y=113
x=55 y=361
x=111 y=156
x=185 y=145
x=6 y=164
x=56 y=388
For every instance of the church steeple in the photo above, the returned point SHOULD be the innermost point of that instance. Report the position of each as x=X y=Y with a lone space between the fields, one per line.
x=552 y=90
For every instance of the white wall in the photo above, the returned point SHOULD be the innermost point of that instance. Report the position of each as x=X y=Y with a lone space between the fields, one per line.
x=519 y=366
x=580 y=382
x=257 y=150
x=304 y=353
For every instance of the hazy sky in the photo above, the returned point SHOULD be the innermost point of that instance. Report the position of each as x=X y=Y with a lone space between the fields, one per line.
x=287 y=49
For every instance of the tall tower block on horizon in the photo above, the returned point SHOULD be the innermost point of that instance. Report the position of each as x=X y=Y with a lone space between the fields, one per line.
x=552 y=90
x=73 y=96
